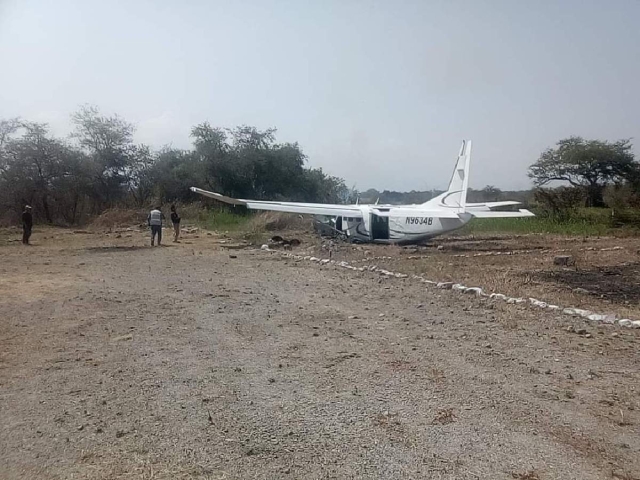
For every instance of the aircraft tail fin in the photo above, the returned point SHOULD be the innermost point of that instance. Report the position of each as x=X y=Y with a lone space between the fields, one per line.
x=456 y=194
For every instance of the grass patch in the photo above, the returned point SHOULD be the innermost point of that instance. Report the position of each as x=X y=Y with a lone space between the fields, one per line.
x=251 y=223
x=580 y=227
x=222 y=220
x=583 y=222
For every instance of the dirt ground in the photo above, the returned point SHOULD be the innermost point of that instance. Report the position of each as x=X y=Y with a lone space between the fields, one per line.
x=122 y=361
x=604 y=277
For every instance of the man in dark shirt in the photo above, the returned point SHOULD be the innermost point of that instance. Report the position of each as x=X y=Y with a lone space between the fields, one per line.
x=175 y=219
x=27 y=224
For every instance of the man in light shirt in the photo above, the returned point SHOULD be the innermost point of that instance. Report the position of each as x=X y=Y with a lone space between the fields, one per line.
x=154 y=220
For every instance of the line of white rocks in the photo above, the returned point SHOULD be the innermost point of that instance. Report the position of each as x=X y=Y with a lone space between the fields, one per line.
x=477 y=291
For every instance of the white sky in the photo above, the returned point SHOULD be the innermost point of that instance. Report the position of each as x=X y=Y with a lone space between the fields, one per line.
x=380 y=93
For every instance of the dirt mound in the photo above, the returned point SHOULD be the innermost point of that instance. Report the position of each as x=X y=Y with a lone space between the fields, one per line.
x=276 y=221
x=119 y=217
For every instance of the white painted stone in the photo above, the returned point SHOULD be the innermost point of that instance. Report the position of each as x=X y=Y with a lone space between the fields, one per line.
x=474 y=290
x=538 y=303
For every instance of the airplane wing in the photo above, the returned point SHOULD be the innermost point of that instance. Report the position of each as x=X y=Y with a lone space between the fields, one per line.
x=289 y=207
x=485 y=214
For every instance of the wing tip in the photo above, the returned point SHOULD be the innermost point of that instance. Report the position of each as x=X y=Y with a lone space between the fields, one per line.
x=218 y=196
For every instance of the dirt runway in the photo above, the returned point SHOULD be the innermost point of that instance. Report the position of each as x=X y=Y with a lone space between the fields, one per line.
x=121 y=361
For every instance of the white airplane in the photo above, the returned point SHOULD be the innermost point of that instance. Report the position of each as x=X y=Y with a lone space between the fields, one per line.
x=396 y=223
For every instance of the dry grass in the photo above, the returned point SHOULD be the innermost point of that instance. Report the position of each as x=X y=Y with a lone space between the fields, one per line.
x=277 y=221
x=436 y=374
x=444 y=417
x=119 y=217
x=191 y=212
x=529 y=475
x=623 y=420
x=388 y=421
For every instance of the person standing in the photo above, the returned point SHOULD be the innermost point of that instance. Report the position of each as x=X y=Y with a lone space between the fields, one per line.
x=175 y=220
x=27 y=224
x=154 y=220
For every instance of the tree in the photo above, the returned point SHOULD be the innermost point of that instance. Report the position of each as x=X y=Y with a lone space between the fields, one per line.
x=141 y=183
x=586 y=164
x=223 y=171
x=42 y=171
x=491 y=193
x=317 y=186
x=109 y=143
x=248 y=163
x=174 y=172
x=7 y=129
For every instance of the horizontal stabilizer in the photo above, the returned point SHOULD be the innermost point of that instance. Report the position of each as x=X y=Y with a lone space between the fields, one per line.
x=485 y=214
x=506 y=203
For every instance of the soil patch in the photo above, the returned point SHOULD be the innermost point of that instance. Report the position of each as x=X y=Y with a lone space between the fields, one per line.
x=115 y=248
x=616 y=283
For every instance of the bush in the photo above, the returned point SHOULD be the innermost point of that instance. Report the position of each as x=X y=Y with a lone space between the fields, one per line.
x=559 y=203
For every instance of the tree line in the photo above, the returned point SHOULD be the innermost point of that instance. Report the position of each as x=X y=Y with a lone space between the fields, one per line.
x=489 y=193
x=99 y=166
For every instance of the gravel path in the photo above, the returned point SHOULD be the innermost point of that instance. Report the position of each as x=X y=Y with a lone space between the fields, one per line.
x=181 y=362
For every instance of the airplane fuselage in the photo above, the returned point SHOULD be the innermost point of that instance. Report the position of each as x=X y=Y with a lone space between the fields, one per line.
x=387 y=224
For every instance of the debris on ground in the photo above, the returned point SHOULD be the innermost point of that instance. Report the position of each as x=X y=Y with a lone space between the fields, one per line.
x=564 y=260
x=278 y=242
x=234 y=246
x=122 y=338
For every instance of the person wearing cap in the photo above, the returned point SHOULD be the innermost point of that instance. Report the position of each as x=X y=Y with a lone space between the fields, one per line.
x=154 y=220
x=27 y=224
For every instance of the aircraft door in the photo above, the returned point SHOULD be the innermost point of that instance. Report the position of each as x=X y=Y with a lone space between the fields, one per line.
x=379 y=227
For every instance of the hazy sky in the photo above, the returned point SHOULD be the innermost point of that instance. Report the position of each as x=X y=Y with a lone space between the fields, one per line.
x=380 y=93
